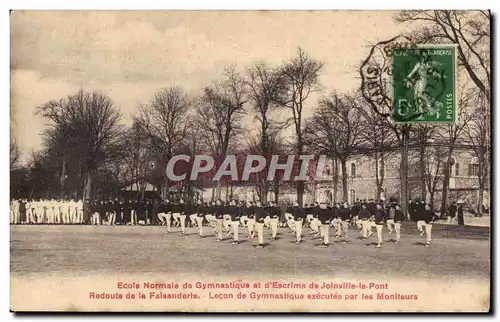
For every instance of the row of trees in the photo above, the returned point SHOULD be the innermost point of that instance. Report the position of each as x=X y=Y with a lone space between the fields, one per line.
x=344 y=127
x=88 y=150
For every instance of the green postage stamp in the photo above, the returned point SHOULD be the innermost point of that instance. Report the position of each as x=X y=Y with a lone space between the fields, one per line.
x=424 y=84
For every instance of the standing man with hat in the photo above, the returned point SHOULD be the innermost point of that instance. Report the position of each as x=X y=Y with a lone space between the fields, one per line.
x=452 y=211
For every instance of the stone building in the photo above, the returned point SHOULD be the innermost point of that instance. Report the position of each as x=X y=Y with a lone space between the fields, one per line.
x=362 y=180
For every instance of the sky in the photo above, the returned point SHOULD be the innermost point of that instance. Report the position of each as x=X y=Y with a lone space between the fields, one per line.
x=130 y=55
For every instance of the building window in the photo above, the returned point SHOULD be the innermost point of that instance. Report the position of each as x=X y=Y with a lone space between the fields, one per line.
x=352 y=196
x=353 y=169
x=473 y=167
x=457 y=169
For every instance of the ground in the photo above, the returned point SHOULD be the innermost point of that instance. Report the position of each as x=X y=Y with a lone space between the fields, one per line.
x=455 y=252
x=56 y=260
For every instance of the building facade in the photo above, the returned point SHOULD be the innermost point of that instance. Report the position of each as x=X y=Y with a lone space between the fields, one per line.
x=362 y=180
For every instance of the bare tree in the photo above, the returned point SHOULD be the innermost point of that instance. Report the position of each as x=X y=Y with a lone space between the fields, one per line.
x=375 y=88
x=15 y=153
x=422 y=136
x=336 y=130
x=379 y=141
x=478 y=137
x=434 y=160
x=266 y=87
x=275 y=146
x=450 y=134
x=91 y=122
x=301 y=75
x=219 y=115
x=137 y=158
x=469 y=30
x=163 y=121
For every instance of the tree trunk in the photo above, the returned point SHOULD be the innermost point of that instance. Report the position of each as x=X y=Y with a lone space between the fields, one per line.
x=314 y=197
x=446 y=180
x=423 y=190
x=404 y=169
x=480 y=201
x=264 y=190
x=87 y=194
x=276 y=192
x=343 y=164
x=379 y=179
x=300 y=184
x=481 y=181
x=335 y=179
x=63 y=176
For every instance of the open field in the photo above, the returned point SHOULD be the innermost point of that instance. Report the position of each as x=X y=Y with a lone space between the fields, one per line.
x=99 y=256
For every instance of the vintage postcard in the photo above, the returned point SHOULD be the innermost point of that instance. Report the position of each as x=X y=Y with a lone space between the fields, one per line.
x=250 y=161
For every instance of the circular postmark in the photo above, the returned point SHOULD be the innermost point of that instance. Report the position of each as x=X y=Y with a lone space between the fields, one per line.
x=376 y=74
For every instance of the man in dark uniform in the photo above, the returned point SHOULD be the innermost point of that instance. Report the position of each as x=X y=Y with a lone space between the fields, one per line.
x=460 y=214
x=141 y=211
x=133 y=212
x=274 y=215
x=23 y=218
x=418 y=216
x=117 y=208
x=219 y=217
x=308 y=210
x=111 y=215
x=97 y=212
x=452 y=211
x=298 y=217
x=288 y=217
x=345 y=220
x=149 y=212
x=324 y=218
x=315 y=222
x=87 y=211
x=379 y=223
x=126 y=211
x=429 y=217
x=210 y=216
x=391 y=212
x=155 y=210
x=399 y=217
x=336 y=222
x=260 y=215
x=200 y=215
x=365 y=216
x=235 y=211
x=186 y=209
x=354 y=210
x=165 y=214
x=250 y=212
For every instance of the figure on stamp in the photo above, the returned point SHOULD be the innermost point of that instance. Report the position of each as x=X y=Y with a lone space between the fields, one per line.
x=422 y=72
